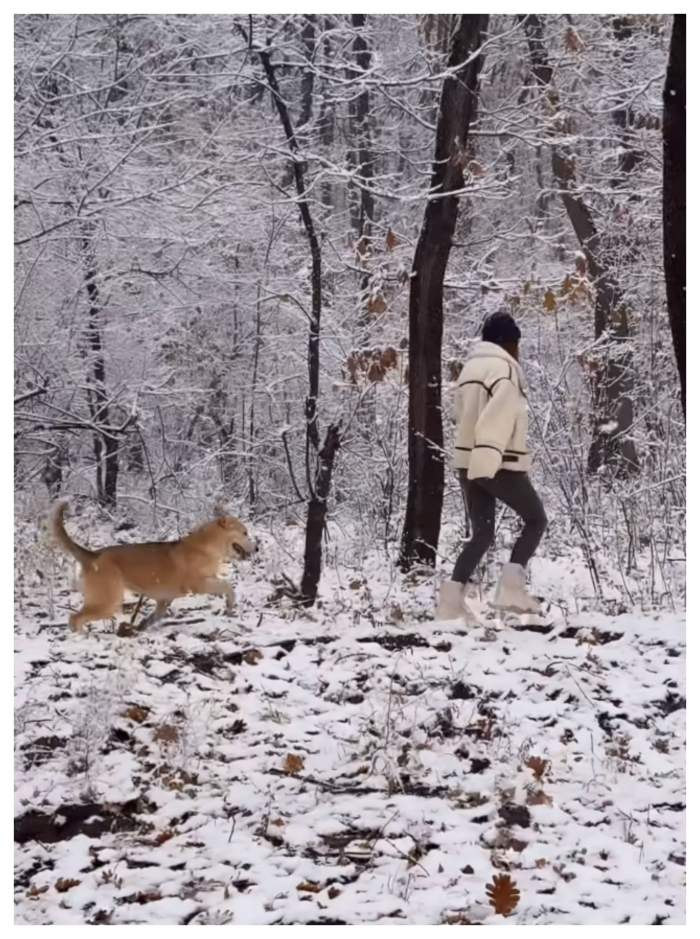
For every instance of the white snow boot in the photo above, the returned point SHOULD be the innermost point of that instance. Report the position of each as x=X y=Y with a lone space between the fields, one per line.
x=511 y=593
x=452 y=603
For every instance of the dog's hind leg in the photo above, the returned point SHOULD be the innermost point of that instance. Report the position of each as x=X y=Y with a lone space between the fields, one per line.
x=104 y=594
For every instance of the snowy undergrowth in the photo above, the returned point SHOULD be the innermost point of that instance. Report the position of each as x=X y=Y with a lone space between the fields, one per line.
x=355 y=763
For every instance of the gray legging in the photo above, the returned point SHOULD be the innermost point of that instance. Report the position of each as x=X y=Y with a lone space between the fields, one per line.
x=513 y=488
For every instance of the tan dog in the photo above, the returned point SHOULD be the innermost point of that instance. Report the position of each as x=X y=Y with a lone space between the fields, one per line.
x=162 y=570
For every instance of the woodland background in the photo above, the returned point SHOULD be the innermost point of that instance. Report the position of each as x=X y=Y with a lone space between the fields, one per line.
x=251 y=255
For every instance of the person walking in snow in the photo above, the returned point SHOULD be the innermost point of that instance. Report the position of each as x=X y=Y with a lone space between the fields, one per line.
x=492 y=461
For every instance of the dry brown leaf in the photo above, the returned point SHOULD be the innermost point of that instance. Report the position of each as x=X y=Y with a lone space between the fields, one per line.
x=136 y=713
x=333 y=892
x=252 y=656
x=573 y=41
x=475 y=168
x=391 y=240
x=167 y=733
x=503 y=894
x=163 y=836
x=35 y=891
x=389 y=358
x=541 y=862
x=308 y=887
x=539 y=797
x=538 y=766
x=293 y=764
x=63 y=884
x=277 y=822
x=550 y=301
x=376 y=305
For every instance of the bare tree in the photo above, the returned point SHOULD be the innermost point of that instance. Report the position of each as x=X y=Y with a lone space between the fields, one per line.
x=458 y=107
x=613 y=377
x=319 y=487
x=674 y=193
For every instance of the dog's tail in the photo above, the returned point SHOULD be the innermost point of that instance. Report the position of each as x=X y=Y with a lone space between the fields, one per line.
x=66 y=542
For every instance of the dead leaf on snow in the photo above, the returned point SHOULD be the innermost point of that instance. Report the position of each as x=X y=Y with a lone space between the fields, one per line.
x=63 y=884
x=35 y=891
x=538 y=797
x=252 y=656
x=293 y=764
x=167 y=733
x=538 y=766
x=309 y=887
x=136 y=713
x=503 y=894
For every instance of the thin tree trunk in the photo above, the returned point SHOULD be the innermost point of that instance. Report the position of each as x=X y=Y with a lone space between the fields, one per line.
x=320 y=486
x=312 y=433
x=613 y=381
x=458 y=105
x=105 y=443
x=674 y=193
x=316 y=520
x=362 y=203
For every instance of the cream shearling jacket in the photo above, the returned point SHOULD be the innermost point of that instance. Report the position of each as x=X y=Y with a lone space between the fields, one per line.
x=491 y=414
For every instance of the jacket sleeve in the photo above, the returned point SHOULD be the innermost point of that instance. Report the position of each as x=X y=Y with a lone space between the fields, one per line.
x=493 y=431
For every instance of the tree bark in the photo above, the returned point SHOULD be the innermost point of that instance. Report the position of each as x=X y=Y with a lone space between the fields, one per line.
x=613 y=381
x=105 y=443
x=458 y=107
x=312 y=433
x=674 y=193
x=320 y=486
x=316 y=519
x=362 y=203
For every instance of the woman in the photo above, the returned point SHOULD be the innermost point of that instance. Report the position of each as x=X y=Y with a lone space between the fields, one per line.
x=492 y=461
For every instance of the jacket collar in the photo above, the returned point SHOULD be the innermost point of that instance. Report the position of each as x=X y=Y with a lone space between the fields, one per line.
x=490 y=350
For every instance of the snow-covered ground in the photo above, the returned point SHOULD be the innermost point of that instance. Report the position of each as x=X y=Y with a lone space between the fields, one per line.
x=355 y=763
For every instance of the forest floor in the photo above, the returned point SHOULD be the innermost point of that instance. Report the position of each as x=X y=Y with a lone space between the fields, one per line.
x=355 y=763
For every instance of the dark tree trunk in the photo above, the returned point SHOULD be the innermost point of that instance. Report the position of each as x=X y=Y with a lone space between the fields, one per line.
x=458 y=105
x=613 y=376
x=674 y=193
x=312 y=433
x=105 y=441
x=362 y=203
x=308 y=35
x=316 y=520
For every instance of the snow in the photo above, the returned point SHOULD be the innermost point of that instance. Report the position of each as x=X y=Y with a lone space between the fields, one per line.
x=412 y=787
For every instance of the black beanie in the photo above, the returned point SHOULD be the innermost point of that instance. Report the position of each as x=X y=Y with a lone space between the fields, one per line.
x=500 y=327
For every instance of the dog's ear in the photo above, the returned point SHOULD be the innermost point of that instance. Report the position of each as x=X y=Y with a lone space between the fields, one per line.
x=226 y=523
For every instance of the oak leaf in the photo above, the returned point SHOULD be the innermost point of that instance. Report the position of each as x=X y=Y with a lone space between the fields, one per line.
x=136 y=713
x=503 y=894
x=63 y=884
x=538 y=766
x=550 y=301
x=308 y=887
x=376 y=305
x=391 y=240
x=293 y=764
x=252 y=656
x=167 y=733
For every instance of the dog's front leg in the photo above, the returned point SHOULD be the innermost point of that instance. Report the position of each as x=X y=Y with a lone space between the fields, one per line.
x=157 y=614
x=219 y=588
